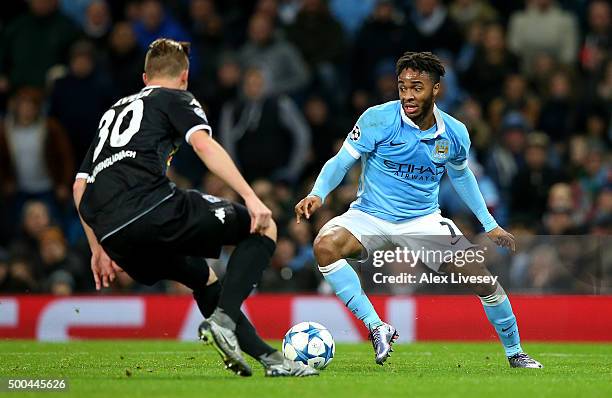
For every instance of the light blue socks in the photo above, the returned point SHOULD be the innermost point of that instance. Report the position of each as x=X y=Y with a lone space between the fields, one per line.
x=499 y=311
x=345 y=282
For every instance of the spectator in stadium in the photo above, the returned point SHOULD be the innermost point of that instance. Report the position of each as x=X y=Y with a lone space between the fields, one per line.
x=544 y=65
x=207 y=30
x=468 y=12
x=20 y=278
x=74 y=9
x=352 y=15
x=97 y=24
x=154 y=22
x=265 y=134
x=597 y=125
x=60 y=283
x=546 y=271
x=558 y=221
x=471 y=115
x=386 y=82
x=560 y=196
x=531 y=185
x=33 y=43
x=451 y=94
x=381 y=38
x=288 y=72
x=36 y=159
x=264 y=189
x=89 y=83
x=58 y=263
x=472 y=41
x=436 y=30
x=505 y=158
x=224 y=88
x=279 y=277
x=543 y=27
x=558 y=114
x=320 y=39
x=35 y=219
x=268 y=8
x=597 y=174
x=516 y=97
x=302 y=236
x=598 y=39
x=125 y=60
x=206 y=25
x=603 y=204
x=602 y=226
x=484 y=77
x=603 y=90
x=326 y=130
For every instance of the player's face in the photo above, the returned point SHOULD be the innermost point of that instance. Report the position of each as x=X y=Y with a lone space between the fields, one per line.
x=417 y=93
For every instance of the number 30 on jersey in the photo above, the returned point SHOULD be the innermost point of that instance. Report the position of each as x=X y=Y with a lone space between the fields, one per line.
x=119 y=138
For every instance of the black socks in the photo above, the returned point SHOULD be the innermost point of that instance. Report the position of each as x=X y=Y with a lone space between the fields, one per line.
x=244 y=270
x=249 y=340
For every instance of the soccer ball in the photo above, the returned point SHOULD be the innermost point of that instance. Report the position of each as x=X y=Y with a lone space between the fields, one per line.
x=309 y=343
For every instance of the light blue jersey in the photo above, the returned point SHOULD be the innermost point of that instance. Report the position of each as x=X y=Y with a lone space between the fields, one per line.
x=401 y=165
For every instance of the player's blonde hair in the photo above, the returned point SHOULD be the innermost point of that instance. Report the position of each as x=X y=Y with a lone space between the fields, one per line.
x=167 y=57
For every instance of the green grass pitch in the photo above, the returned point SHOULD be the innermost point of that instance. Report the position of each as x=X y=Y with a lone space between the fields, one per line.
x=153 y=369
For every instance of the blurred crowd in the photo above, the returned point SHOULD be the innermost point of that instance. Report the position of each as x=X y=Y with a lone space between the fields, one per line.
x=283 y=82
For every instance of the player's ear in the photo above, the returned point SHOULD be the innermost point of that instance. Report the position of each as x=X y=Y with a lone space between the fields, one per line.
x=436 y=89
x=184 y=77
x=144 y=78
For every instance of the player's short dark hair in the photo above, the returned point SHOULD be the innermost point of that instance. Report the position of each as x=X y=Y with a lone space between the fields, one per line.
x=422 y=62
x=167 y=57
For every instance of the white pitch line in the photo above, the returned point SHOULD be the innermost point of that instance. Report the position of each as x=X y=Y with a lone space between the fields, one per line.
x=564 y=355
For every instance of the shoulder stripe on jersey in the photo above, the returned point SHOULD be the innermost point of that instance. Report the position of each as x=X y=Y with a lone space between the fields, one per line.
x=458 y=166
x=196 y=128
x=352 y=151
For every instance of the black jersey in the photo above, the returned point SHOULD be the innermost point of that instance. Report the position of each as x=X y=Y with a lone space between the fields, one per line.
x=126 y=164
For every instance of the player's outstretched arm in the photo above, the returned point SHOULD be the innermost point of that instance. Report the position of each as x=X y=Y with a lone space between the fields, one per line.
x=103 y=268
x=330 y=176
x=219 y=162
x=465 y=184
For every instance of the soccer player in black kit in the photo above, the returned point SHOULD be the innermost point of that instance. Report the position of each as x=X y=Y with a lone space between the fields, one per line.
x=137 y=221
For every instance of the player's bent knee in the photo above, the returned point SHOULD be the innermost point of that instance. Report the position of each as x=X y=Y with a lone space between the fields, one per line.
x=271 y=231
x=327 y=249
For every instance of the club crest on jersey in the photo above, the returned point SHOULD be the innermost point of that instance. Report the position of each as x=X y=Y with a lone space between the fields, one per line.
x=355 y=134
x=440 y=151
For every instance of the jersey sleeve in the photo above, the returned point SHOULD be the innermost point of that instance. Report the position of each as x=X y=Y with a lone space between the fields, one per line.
x=186 y=115
x=365 y=135
x=85 y=169
x=458 y=161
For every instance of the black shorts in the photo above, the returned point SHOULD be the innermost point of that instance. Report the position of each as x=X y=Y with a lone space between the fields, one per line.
x=166 y=240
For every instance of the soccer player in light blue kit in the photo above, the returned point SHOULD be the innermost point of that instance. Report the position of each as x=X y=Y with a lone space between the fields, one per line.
x=405 y=147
